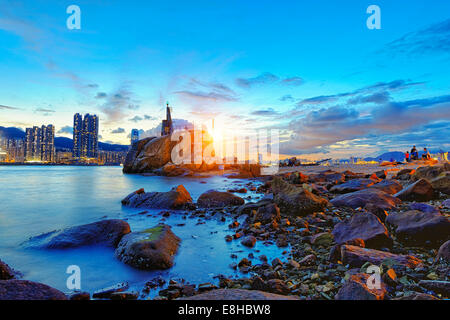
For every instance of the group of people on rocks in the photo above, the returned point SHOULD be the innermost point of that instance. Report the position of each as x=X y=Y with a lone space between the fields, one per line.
x=414 y=154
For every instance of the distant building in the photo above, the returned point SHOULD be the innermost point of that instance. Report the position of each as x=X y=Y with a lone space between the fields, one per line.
x=85 y=137
x=40 y=144
x=134 y=136
x=77 y=135
x=167 y=125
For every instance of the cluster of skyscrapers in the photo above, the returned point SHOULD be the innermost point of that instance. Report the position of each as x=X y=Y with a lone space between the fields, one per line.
x=40 y=144
x=85 y=137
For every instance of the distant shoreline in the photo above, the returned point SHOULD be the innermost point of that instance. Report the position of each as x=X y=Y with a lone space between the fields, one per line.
x=58 y=164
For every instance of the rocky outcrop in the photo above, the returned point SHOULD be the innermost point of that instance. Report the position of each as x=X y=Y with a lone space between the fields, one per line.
x=421 y=190
x=363 y=225
x=361 y=198
x=214 y=199
x=442 y=183
x=444 y=252
x=430 y=172
x=439 y=287
x=177 y=198
x=149 y=154
x=6 y=272
x=420 y=228
x=28 y=290
x=353 y=185
x=238 y=294
x=105 y=232
x=357 y=257
x=149 y=249
x=357 y=288
x=328 y=176
x=294 y=200
x=388 y=186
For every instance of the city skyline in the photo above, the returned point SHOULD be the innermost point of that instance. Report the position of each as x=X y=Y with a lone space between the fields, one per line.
x=314 y=71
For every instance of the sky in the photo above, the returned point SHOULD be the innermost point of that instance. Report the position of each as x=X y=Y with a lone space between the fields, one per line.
x=311 y=69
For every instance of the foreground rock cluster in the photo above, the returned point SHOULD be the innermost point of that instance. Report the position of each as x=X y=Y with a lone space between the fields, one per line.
x=337 y=230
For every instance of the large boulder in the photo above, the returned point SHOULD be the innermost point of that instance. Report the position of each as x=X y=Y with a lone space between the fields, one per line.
x=176 y=198
x=361 y=198
x=28 y=290
x=329 y=176
x=415 y=227
x=421 y=190
x=105 y=232
x=430 y=172
x=444 y=252
x=442 y=182
x=353 y=185
x=149 y=249
x=214 y=199
x=6 y=272
x=357 y=288
x=149 y=154
x=363 y=225
x=238 y=294
x=388 y=186
x=356 y=257
x=265 y=214
x=295 y=200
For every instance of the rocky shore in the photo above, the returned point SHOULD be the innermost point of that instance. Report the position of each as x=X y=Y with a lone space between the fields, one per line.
x=339 y=231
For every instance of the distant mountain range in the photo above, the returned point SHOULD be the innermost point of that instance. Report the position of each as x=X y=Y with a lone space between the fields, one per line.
x=60 y=142
x=388 y=156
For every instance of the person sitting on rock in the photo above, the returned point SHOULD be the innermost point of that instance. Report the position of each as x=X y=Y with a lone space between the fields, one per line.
x=426 y=155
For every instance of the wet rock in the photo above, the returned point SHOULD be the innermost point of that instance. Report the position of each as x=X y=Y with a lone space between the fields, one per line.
x=357 y=288
x=238 y=294
x=105 y=232
x=298 y=178
x=420 y=228
x=249 y=241
x=28 y=290
x=440 y=287
x=381 y=174
x=430 y=172
x=442 y=183
x=213 y=199
x=446 y=203
x=388 y=186
x=444 y=252
x=357 y=257
x=365 y=226
x=149 y=249
x=353 y=185
x=177 y=198
x=250 y=206
x=267 y=214
x=422 y=207
x=361 y=198
x=328 y=176
x=420 y=190
x=308 y=260
x=405 y=174
x=148 y=154
x=172 y=170
x=296 y=201
x=6 y=272
x=324 y=239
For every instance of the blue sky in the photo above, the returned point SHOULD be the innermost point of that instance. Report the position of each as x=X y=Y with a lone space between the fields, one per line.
x=311 y=69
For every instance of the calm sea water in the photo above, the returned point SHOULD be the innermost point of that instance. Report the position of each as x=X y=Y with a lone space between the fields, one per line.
x=36 y=199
